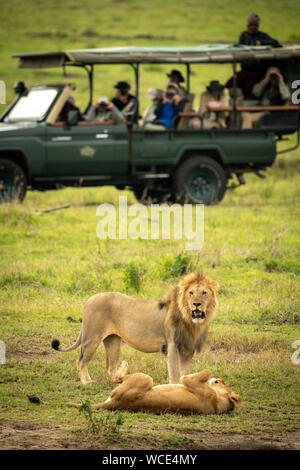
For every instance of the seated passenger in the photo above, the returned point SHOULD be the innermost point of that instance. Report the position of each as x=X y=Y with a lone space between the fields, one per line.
x=68 y=106
x=153 y=94
x=214 y=93
x=167 y=109
x=103 y=110
x=245 y=81
x=125 y=102
x=271 y=91
x=175 y=76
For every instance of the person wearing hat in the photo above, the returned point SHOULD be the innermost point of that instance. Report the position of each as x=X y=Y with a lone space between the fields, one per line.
x=153 y=94
x=254 y=37
x=104 y=110
x=271 y=91
x=214 y=93
x=175 y=76
x=125 y=102
x=166 y=109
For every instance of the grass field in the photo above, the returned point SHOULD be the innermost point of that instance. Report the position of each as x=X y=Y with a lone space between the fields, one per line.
x=52 y=263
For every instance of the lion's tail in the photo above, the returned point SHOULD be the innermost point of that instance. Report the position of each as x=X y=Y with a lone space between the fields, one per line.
x=55 y=344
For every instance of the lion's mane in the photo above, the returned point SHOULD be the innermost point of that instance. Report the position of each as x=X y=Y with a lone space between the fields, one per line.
x=189 y=337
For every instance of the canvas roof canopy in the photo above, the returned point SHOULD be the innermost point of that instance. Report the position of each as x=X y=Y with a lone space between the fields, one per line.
x=216 y=53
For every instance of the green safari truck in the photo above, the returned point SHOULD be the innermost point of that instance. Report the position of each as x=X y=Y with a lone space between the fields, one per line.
x=181 y=164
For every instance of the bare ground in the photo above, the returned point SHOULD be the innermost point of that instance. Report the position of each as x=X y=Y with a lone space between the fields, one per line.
x=22 y=435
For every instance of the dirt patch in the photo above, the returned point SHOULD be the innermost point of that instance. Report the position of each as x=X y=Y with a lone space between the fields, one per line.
x=34 y=436
x=288 y=441
x=29 y=356
x=17 y=435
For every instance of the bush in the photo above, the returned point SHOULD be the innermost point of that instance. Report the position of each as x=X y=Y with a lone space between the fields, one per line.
x=132 y=277
x=175 y=266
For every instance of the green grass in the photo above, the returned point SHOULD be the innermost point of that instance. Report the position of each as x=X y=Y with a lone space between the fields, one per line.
x=52 y=263
x=60 y=25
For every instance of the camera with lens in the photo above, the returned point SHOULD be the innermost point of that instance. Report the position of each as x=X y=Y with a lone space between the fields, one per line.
x=103 y=104
x=170 y=95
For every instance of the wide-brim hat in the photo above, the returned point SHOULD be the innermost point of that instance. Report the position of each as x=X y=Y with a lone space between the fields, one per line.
x=177 y=74
x=215 y=86
x=122 y=86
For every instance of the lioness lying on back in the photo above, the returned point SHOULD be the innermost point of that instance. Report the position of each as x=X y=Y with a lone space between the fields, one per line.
x=177 y=324
x=196 y=393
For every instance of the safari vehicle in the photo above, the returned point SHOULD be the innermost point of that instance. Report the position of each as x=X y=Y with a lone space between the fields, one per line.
x=180 y=164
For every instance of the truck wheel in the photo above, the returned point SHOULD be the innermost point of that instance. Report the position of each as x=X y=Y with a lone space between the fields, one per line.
x=12 y=182
x=151 y=196
x=200 y=180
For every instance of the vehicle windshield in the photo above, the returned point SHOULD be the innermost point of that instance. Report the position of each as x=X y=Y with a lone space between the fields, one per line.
x=33 y=106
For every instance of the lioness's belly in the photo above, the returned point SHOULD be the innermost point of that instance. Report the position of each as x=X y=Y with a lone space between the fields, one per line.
x=140 y=323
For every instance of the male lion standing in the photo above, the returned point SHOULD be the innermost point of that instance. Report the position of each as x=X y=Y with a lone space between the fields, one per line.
x=177 y=324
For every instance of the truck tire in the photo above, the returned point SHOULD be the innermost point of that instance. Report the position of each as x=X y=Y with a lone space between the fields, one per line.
x=13 y=182
x=200 y=180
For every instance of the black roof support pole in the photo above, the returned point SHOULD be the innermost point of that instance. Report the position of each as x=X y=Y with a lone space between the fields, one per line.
x=137 y=84
x=90 y=71
x=188 y=73
x=234 y=112
x=91 y=84
x=130 y=122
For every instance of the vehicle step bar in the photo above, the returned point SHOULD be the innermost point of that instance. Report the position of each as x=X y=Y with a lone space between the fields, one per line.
x=154 y=176
x=73 y=178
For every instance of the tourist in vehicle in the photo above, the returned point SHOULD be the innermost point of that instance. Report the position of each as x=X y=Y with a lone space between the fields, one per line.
x=214 y=93
x=68 y=106
x=271 y=91
x=167 y=109
x=104 y=110
x=245 y=81
x=125 y=102
x=153 y=94
x=175 y=76
x=253 y=37
x=243 y=94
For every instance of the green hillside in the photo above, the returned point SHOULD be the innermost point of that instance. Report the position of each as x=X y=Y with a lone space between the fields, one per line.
x=54 y=25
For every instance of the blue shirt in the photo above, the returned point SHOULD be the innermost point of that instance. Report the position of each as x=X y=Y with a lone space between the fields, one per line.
x=166 y=115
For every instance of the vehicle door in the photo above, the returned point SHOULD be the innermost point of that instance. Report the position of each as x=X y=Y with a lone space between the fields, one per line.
x=150 y=147
x=87 y=149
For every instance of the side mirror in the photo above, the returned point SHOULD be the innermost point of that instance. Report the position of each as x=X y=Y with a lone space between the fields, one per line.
x=73 y=118
x=19 y=88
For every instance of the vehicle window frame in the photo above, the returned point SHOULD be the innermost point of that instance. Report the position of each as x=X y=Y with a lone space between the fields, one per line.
x=43 y=118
